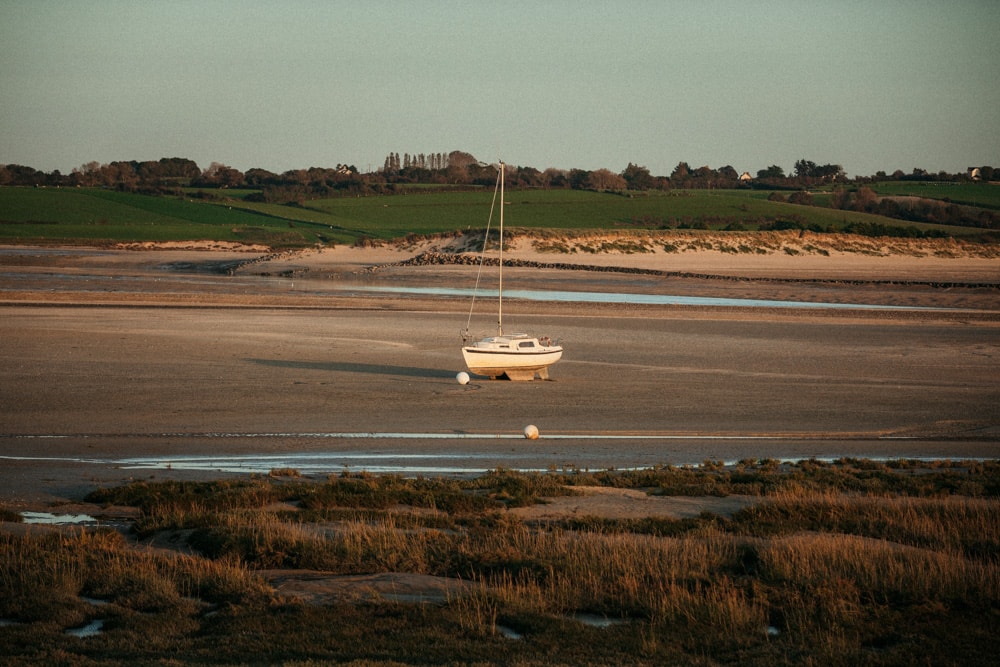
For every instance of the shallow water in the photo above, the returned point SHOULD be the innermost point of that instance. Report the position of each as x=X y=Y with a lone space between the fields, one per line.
x=619 y=297
x=596 y=621
x=92 y=629
x=50 y=519
x=465 y=458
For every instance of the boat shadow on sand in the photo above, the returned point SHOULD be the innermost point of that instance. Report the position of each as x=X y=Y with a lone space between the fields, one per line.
x=349 y=367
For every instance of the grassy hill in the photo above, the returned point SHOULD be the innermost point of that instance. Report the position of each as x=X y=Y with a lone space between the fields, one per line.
x=82 y=216
x=98 y=216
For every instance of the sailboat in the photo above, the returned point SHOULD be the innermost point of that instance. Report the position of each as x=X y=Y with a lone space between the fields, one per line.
x=517 y=356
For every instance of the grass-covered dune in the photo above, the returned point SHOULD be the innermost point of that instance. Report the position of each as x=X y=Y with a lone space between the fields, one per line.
x=844 y=563
x=97 y=216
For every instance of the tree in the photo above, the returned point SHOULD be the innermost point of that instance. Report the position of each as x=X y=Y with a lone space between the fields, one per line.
x=605 y=179
x=460 y=159
x=805 y=168
x=219 y=175
x=578 y=178
x=258 y=177
x=801 y=197
x=528 y=177
x=457 y=174
x=729 y=173
x=554 y=178
x=120 y=175
x=840 y=198
x=681 y=172
x=486 y=174
x=23 y=175
x=774 y=171
x=865 y=199
x=637 y=178
x=178 y=167
x=87 y=174
x=830 y=171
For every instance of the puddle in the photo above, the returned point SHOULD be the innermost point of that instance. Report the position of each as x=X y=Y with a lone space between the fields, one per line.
x=94 y=602
x=591 y=620
x=597 y=621
x=92 y=629
x=50 y=519
x=773 y=631
x=651 y=299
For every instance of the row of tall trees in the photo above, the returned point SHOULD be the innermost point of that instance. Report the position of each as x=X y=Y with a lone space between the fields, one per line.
x=431 y=162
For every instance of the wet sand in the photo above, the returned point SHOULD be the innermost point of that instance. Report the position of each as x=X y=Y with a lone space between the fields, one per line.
x=109 y=356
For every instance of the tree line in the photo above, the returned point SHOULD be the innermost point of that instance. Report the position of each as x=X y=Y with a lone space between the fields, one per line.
x=456 y=169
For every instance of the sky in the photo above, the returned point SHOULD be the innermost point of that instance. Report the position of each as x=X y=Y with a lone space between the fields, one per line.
x=869 y=85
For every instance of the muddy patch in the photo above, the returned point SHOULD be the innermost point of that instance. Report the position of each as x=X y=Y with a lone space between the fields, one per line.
x=312 y=587
x=609 y=503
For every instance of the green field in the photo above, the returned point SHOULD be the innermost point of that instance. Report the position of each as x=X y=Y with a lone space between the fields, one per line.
x=89 y=216
x=577 y=210
x=54 y=215
x=982 y=195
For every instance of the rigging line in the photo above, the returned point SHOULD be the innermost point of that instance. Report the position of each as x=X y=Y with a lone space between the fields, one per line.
x=482 y=254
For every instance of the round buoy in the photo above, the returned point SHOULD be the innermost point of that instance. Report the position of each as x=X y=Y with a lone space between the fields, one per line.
x=463 y=378
x=531 y=432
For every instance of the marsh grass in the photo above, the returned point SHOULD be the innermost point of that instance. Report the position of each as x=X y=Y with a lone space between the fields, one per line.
x=10 y=515
x=846 y=562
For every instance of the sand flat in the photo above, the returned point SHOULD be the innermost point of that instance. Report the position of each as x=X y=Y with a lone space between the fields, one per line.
x=114 y=354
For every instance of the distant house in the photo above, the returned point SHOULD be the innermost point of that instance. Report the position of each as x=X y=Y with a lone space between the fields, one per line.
x=975 y=174
x=745 y=177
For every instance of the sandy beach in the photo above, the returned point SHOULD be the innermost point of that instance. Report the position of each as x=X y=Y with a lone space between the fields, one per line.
x=181 y=362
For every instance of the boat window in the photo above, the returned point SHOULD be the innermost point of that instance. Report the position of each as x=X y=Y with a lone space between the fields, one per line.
x=528 y=343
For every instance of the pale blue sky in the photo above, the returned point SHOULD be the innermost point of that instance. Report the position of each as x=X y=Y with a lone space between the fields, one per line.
x=891 y=84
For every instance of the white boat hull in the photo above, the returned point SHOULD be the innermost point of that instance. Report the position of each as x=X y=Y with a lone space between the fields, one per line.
x=517 y=357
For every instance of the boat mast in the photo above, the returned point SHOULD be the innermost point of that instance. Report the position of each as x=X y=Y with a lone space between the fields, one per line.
x=500 y=287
